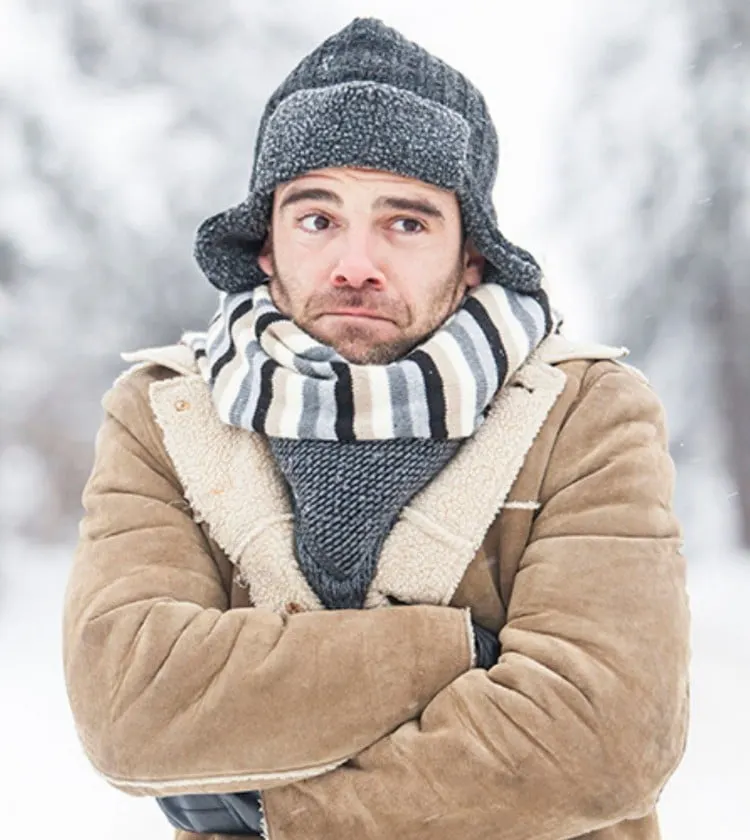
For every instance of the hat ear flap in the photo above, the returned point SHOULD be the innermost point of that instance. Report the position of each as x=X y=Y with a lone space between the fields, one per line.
x=505 y=263
x=227 y=248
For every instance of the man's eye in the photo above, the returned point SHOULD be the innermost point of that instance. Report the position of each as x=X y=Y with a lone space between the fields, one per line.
x=314 y=222
x=409 y=225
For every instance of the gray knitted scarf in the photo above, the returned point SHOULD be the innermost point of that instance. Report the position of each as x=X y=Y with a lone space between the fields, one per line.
x=357 y=442
x=346 y=497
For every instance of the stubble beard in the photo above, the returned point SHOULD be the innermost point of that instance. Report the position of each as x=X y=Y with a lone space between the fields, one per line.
x=352 y=341
x=349 y=344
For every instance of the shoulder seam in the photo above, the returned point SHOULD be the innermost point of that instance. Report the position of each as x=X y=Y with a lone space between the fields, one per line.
x=609 y=367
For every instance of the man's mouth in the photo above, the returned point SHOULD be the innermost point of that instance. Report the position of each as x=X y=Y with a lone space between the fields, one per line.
x=357 y=312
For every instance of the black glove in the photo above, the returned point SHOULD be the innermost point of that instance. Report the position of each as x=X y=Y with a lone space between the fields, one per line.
x=214 y=813
x=486 y=646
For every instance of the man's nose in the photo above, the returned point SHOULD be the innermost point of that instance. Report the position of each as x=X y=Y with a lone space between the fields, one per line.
x=356 y=266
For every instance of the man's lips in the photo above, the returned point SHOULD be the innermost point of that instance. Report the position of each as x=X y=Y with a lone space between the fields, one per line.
x=355 y=312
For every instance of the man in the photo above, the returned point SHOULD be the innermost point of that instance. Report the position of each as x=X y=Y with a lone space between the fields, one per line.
x=308 y=529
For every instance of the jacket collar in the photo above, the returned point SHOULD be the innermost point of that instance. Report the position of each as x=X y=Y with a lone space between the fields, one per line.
x=233 y=484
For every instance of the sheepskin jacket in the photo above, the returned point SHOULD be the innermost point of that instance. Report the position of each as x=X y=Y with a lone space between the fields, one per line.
x=198 y=659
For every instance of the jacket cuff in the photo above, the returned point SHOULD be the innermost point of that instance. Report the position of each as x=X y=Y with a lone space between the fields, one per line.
x=472 y=638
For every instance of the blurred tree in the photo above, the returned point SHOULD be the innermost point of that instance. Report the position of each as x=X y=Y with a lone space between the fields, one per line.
x=721 y=242
x=124 y=124
x=655 y=187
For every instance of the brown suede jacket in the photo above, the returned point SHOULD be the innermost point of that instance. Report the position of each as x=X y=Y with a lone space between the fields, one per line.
x=198 y=659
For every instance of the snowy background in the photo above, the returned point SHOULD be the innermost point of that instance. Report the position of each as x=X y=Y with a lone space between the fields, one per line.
x=625 y=131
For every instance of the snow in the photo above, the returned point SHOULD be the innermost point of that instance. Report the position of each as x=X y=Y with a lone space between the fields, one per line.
x=44 y=771
x=706 y=797
x=46 y=783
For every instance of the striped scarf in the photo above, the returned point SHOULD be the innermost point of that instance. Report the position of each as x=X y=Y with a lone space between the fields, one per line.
x=268 y=375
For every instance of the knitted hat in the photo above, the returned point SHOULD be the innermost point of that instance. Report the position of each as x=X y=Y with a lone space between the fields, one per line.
x=367 y=97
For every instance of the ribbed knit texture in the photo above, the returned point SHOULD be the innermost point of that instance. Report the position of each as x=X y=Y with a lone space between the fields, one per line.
x=346 y=497
x=369 y=97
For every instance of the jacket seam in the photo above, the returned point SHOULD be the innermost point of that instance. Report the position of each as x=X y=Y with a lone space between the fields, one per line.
x=157 y=786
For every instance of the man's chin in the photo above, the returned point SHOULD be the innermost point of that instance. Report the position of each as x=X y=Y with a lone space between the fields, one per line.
x=364 y=345
x=380 y=355
x=360 y=352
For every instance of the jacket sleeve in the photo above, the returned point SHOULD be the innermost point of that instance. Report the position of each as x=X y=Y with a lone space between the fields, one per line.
x=172 y=692
x=583 y=719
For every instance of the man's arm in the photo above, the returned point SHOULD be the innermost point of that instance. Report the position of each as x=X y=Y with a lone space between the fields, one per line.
x=584 y=717
x=172 y=692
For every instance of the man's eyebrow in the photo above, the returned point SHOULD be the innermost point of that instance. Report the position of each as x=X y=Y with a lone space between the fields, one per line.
x=294 y=196
x=413 y=205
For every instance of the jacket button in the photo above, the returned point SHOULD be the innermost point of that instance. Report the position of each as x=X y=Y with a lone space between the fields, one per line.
x=182 y=405
x=293 y=607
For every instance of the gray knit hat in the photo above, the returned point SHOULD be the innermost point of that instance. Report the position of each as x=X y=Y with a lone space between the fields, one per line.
x=367 y=97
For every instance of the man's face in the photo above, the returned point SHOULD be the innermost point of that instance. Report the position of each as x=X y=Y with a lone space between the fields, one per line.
x=367 y=262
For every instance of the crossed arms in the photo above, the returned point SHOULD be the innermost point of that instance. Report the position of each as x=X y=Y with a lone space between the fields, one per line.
x=372 y=723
